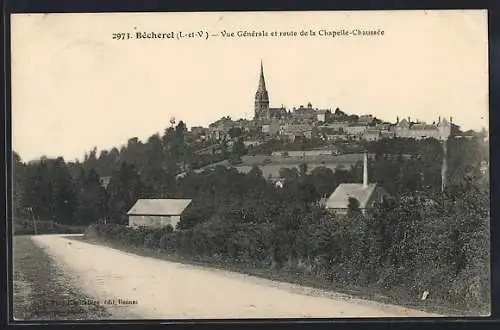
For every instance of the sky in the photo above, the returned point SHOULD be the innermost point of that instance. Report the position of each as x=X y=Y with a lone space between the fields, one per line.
x=75 y=87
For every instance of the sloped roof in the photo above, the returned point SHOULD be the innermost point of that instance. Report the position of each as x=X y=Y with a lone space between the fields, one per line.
x=159 y=207
x=339 y=199
x=443 y=122
x=422 y=126
x=372 y=131
x=403 y=123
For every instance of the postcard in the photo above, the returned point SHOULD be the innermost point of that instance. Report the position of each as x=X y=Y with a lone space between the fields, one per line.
x=243 y=165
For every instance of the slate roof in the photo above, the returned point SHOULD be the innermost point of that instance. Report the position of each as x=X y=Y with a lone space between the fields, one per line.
x=159 y=207
x=339 y=199
x=421 y=126
x=403 y=123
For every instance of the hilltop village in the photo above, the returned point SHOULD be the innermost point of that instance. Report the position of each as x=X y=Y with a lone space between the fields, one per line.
x=308 y=122
x=278 y=137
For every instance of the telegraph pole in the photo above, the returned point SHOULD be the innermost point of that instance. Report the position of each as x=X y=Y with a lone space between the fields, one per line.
x=33 y=220
x=444 y=165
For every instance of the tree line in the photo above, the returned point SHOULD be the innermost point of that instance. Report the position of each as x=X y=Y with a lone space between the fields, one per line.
x=74 y=193
x=424 y=241
x=416 y=241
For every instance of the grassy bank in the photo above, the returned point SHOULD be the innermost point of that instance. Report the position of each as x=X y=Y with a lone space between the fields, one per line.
x=395 y=296
x=42 y=292
x=27 y=227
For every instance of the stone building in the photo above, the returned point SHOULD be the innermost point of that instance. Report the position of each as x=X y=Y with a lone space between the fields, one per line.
x=419 y=130
x=157 y=212
x=367 y=194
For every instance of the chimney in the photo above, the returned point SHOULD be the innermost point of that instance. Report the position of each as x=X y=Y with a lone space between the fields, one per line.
x=451 y=120
x=397 y=119
x=439 y=120
x=365 y=171
x=409 y=119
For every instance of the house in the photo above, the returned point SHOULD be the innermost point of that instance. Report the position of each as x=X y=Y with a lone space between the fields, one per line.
x=219 y=130
x=365 y=119
x=332 y=134
x=199 y=131
x=387 y=134
x=355 y=130
x=270 y=127
x=420 y=130
x=278 y=113
x=323 y=115
x=337 y=125
x=305 y=113
x=371 y=134
x=157 y=212
x=365 y=193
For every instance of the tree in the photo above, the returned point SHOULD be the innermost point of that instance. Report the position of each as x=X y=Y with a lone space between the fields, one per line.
x=63 y=199
x=18 y=169
x=91 y=205
x=235 y=132
x=289 y=174
x=324 y=181
x=353 y=206
x=303 y=169
x=239 y=148
x=123 y=191
x=177 y=145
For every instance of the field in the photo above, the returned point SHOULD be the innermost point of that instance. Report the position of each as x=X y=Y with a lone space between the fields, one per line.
x=271 y=165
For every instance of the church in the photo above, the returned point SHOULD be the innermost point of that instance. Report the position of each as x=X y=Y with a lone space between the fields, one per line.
x=263 y=113
x=262 y=110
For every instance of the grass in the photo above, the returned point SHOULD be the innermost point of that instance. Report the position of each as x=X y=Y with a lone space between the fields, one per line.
x=396 y=296
x=26 y=227
x=41 y=290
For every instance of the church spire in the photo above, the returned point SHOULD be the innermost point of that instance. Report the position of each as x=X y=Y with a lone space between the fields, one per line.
x=261 y=97
x=262 y=81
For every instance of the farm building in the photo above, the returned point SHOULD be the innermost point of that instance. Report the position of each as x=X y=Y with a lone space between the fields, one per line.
x=157 y=212
x=365 y=193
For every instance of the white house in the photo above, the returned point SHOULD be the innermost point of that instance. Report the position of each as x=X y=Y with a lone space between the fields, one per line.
x=355 y=129
x=322 y=115
x=271 y=127
x=157 y=212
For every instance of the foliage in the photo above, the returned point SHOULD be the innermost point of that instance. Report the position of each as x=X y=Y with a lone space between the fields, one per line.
x=423 y=240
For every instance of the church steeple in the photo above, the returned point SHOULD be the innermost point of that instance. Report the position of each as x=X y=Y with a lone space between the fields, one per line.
x=262 y=81
x=261 y=97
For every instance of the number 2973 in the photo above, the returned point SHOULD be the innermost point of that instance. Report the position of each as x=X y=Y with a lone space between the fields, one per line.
x=122 y=36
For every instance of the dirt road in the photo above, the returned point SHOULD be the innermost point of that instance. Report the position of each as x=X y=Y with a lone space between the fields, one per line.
x=141 y=287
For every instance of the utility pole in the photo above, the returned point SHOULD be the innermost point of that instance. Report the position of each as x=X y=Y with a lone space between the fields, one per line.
x=33 y=220
x=444 y=165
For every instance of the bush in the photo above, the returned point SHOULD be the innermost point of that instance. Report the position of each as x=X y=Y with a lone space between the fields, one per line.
x=402 y=249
